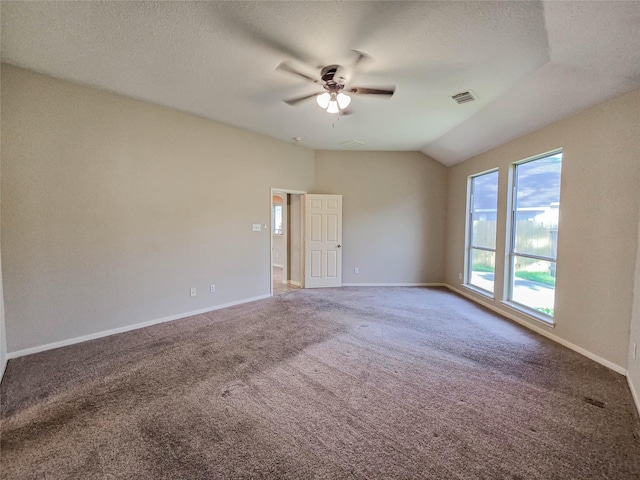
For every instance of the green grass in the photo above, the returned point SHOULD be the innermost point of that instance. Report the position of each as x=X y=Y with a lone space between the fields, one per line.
x=480 y=267
x=539 y=277
x=547 y=310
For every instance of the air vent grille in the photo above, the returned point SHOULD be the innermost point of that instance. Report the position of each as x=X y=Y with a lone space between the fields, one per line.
x=464 y=97
x=351 y=144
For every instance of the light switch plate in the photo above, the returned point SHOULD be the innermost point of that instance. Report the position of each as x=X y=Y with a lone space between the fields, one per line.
x=256 y=227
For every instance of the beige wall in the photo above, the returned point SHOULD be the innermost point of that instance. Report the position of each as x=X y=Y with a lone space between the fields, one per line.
x=3 y=335
x=600 y=198
x=280 y=241
x=113 y=208
x=633 y=368
x=295 y=239
x=393 y=214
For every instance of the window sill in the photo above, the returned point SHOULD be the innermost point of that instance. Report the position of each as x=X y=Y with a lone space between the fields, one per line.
x=532 y=314
x=473 y=288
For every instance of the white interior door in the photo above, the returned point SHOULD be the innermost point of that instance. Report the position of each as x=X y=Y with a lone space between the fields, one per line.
x=323 y=245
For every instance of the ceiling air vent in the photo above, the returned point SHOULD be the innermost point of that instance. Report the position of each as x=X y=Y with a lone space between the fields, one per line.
x=351 y=144
x=463 y=97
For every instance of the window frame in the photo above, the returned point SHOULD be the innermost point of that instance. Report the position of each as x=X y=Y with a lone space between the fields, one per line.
x=511 y=253
x=470 y=247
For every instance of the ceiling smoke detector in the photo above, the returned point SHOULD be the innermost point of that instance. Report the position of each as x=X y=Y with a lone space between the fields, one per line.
x=464 y=97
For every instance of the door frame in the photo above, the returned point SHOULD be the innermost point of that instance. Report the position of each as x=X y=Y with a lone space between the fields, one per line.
x=286 y=191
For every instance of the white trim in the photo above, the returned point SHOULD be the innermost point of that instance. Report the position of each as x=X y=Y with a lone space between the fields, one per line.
x=545 y=333
x=278 y=265
x=634 y=394
x=287 y=190
x=127 y=328
x=295 y=284
x=479 y=291
x=529 y=312
x=394 y=285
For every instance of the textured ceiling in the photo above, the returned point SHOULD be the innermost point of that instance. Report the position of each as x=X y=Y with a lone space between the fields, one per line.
x=529 y=63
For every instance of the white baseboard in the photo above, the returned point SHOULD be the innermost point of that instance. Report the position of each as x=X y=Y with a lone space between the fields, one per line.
x=277 y=265
x=295 y=284
x=545 y=333
x=634 y=394
x=393 y=285
x=127 y=328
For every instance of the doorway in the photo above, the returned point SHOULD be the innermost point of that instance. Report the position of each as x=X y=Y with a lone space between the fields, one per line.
x=287 y=251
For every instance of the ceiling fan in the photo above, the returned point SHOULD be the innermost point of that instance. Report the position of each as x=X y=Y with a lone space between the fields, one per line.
x=333 y=78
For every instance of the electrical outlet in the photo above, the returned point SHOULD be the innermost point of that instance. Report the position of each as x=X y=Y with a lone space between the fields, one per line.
x=193 y=292
x=459 y=276
x=212 y=288
x=356 y=270
x=256 y=227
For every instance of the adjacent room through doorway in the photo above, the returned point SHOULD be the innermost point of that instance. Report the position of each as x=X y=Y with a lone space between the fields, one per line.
x=286 y=241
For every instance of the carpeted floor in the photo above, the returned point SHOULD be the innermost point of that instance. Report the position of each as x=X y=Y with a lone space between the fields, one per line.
x=362 y=383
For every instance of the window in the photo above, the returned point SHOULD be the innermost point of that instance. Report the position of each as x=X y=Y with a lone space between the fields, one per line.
x=481 y=230
x=534 y=233
x=277 y=219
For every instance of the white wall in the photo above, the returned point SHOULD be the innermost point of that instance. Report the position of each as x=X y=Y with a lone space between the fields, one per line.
x=394 y=207
x=599 y=207
x=114 y=208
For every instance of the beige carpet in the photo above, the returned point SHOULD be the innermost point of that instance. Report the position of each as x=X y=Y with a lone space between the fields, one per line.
x=354 y=383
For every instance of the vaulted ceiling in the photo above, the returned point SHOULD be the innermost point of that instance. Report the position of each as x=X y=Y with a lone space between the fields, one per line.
x=529 y=63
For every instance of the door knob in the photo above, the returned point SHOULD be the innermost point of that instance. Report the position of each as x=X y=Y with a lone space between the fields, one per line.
x=339 y=246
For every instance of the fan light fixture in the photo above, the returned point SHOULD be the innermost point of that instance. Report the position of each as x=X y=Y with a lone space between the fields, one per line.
x=333 y=80
x=333 y=102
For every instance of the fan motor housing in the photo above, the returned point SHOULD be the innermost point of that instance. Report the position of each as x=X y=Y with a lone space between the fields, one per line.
x=333 y=77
